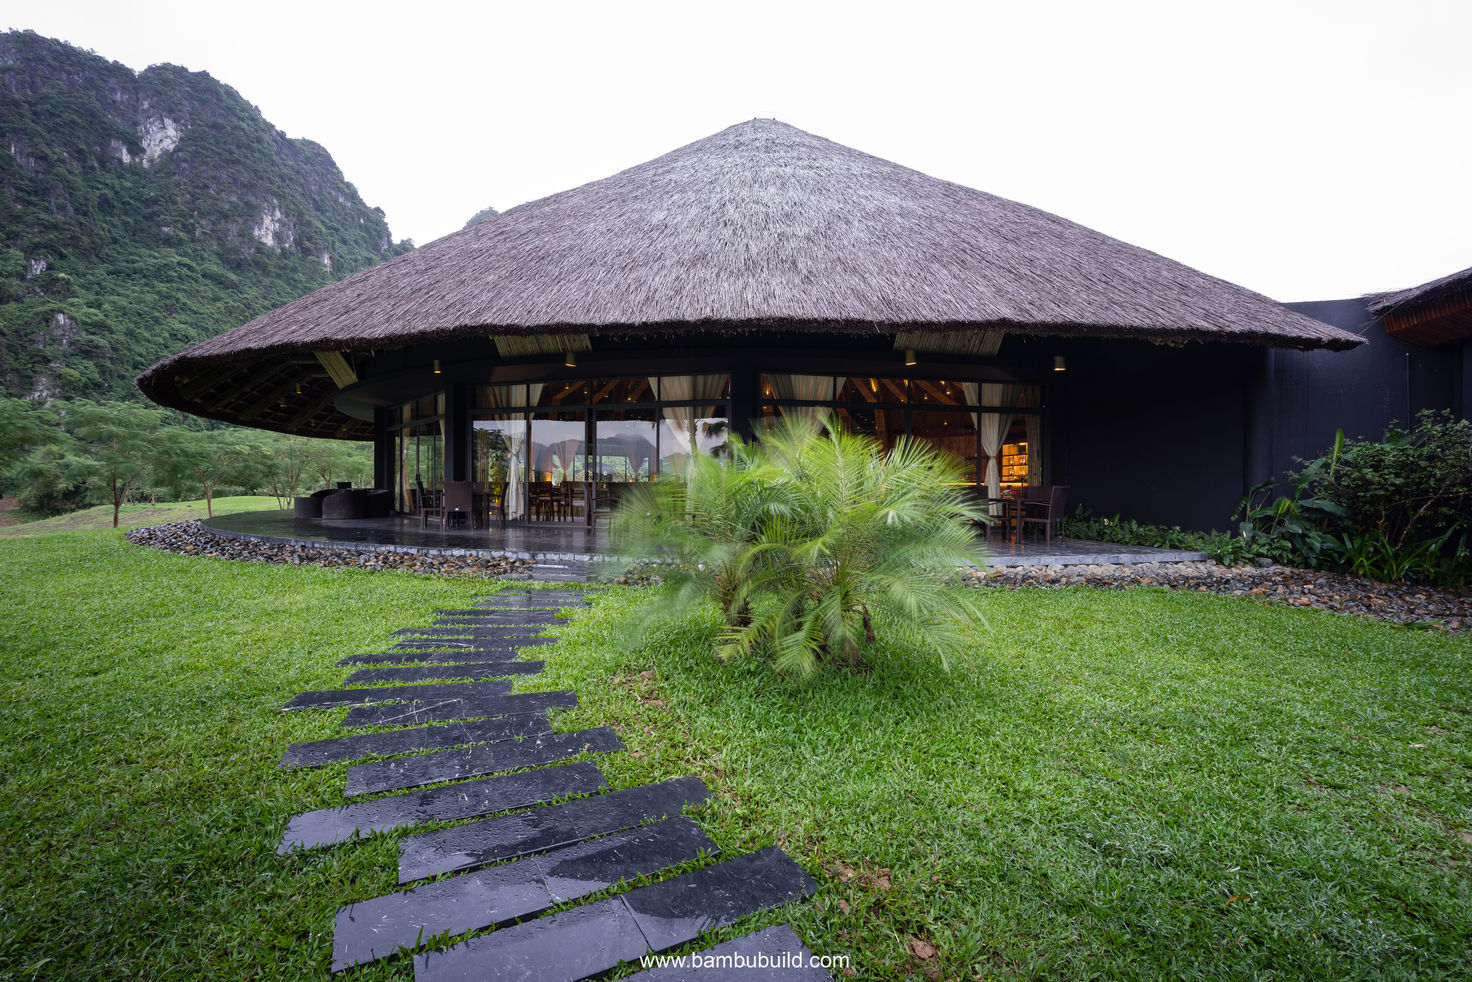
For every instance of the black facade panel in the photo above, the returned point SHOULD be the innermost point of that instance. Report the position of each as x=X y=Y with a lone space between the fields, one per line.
x=1314 y=393
x=1152 y=432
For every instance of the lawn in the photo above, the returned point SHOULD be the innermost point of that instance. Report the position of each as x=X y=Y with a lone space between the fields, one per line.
x=138 y=516
x=1134 y=784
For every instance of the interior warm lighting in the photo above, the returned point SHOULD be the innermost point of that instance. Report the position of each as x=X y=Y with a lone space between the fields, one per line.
x=298 y=388
x=1059 y=365
x=909 y=356
x=436 y=366
x=570 y=359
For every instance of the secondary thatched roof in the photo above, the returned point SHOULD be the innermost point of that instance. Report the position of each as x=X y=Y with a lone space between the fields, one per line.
x=761 y=226
x=1434 y=313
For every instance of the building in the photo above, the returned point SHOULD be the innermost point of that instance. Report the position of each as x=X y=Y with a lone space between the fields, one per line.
x=598 y=336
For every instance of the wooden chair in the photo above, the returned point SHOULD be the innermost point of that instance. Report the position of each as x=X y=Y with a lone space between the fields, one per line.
x=458 y=503
x=431 y=505
x=1043 y=506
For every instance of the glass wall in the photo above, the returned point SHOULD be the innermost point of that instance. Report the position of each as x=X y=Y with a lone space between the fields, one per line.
x=575 y=444
x=417 y=430
x=565 y=450
x=995 y=428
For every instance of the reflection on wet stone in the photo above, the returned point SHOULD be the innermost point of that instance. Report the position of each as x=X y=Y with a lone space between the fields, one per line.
x=469 y=670
x=449 y=765
x=443 y=710
x=590 y=940
x=316 y=753
x=674 y=911
x=502 y=894
x=479 y=843
x=430 y=656
x=574 y=944
x=450 y=803
x=330 y=698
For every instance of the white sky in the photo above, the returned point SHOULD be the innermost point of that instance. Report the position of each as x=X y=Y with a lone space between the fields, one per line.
x=1305 y=149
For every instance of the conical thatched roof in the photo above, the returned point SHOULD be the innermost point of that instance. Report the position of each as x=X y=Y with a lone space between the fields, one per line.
x=762 y=226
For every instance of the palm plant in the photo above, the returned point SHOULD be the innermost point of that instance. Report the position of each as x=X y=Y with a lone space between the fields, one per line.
x=807 y=538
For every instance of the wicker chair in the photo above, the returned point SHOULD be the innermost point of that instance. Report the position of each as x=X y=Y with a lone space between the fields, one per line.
x=1044 y=506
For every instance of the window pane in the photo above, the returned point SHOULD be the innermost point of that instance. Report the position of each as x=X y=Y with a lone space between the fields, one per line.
x=623 y=390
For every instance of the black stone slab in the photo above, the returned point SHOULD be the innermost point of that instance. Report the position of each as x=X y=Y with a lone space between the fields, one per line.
x=471 y=670
x=431 y=657
x=502 y=894
x=512 y=637
x=678 y=910
x=468 y=632
x=532 y=598
x=487 y=610
x=499 y=618
x=316 y=753
x=453 y=802
x=574 y=944
x=329 y=698
x=773 y=954
x=479 y=843
x=593 y=939
x=446 y=710
x=489 y=758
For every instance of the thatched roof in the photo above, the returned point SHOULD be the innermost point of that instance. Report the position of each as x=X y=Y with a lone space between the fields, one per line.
x=1434 y=313
x=1416 y=296
x=761 y=227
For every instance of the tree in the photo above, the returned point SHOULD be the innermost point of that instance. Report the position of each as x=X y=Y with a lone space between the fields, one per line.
x=209 y=457
x=119 y=443
x=809 y=538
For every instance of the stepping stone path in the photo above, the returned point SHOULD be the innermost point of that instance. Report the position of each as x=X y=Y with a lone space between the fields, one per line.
x=531 y=840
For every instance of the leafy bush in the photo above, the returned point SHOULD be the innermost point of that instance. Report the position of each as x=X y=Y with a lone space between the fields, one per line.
x=810 y=539
x=1414 y=486
x=1221 y=547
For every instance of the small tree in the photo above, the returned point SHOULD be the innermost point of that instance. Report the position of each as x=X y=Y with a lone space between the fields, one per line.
x=120 y=442
x=207 y=458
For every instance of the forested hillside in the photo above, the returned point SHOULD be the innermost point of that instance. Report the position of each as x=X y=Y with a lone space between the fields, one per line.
x=143 y=212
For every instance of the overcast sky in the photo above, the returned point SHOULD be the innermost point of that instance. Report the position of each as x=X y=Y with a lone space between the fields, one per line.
x=1308 y=150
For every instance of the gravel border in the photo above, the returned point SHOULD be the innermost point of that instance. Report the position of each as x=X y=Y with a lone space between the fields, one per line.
x=1447 y=609
x=193 y=539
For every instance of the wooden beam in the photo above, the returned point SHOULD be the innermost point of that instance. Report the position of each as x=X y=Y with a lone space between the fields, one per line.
x=338 y=369
x=312 y=408
x=276 y=395
x=193 y=388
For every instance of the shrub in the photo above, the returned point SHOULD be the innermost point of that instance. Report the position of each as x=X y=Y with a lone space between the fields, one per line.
x=809 y=539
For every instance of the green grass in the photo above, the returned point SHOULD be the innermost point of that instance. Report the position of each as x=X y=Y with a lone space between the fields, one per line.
x=137 y=516
x=1136 y=784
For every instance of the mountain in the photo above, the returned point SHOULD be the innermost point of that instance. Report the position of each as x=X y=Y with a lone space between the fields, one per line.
x=141 y=212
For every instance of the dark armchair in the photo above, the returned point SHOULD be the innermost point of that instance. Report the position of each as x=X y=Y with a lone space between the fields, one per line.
x=1044 y=506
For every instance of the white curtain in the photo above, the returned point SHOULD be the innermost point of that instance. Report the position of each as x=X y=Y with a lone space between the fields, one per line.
x=993 y=426
x=808 y=388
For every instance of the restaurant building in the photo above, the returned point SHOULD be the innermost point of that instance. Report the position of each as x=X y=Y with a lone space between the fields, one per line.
x=599 y=336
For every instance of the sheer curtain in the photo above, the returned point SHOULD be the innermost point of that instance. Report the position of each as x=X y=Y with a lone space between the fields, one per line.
x=809 y=388
x=993 y=426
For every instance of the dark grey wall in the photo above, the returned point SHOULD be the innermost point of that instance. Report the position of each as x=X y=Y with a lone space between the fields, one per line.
x=1311 y=394
x=1152 y=432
